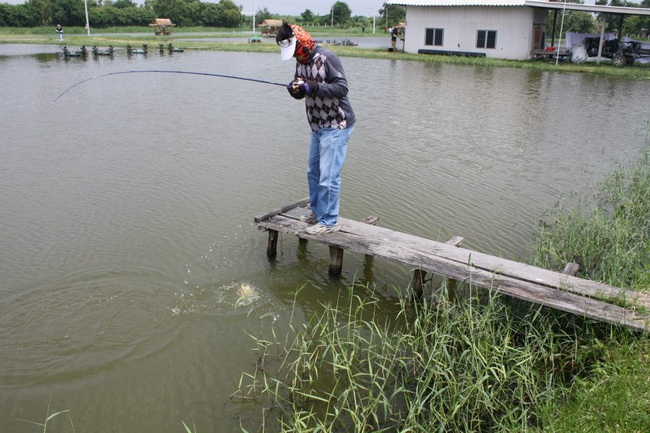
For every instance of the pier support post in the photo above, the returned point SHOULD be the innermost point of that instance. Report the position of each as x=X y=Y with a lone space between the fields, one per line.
x=272 y=246
x=336 y=261
x=452 y=285
x=418 y=282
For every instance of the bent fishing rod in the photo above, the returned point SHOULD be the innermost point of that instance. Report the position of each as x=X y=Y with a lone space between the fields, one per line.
x=161 y=71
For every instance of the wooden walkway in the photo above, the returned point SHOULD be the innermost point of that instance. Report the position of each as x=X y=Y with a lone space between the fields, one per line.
x=557 y=290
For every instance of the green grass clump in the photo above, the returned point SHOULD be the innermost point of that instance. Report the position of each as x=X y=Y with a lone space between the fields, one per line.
x=438 y=367
x=609 y=238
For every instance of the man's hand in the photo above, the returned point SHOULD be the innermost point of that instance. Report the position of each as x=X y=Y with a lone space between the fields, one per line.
x=299 y=88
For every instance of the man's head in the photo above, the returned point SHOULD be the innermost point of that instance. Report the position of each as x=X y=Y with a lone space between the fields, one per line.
x=294 y=41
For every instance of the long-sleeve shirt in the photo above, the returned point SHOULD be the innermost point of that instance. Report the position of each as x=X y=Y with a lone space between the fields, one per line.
x=330 y=106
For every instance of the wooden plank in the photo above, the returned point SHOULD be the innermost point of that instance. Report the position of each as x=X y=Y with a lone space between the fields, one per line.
x=262 y=217
x=431 y=261
x=503 y=266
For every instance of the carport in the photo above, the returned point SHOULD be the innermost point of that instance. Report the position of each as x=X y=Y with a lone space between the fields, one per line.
x=604 y=11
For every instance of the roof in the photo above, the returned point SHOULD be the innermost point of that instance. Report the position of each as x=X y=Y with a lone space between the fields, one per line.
x=270 y=23
x=458 y=2
x=531 y=3
x=161 y=22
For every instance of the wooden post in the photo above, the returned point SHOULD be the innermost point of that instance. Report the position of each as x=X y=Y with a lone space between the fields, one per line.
x=571 y=269
x=336 y=261
x=272 y=246
x=418 y=281
x=452 y=285
x=336 y=253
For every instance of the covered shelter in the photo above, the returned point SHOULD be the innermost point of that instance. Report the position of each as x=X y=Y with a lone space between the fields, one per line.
x=162 y=26
x=270 y=27
x=506 y=29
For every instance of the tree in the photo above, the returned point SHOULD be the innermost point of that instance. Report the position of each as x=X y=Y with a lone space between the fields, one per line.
x=69 y=13
x=392 y=14
x=261 y=15
x=341 y=13
x=122 y=4
x=42 y=9
x=580 y=22
x=230 y=14
x=308 y=16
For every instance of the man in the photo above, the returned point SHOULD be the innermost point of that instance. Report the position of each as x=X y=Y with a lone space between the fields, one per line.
x=321 y=82
x=59 y=31
x=393 y=38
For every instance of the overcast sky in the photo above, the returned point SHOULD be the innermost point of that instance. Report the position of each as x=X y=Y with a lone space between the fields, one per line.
x=296 y=7
x=289 y=7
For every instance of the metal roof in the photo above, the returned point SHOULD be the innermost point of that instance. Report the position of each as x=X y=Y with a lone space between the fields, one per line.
x=532 y=3
x=458 y=2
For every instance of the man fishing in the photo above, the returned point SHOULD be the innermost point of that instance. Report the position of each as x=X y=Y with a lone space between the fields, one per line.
x=320 y=81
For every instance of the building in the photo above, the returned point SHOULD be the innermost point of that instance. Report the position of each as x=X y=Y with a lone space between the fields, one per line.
x=270 y=27
x=505 y=29
x=162 y=26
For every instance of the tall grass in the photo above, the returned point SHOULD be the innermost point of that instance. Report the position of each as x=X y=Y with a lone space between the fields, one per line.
x=438 y=367
x=610 y=236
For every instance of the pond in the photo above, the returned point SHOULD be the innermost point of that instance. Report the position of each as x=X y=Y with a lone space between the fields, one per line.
x=127 y=210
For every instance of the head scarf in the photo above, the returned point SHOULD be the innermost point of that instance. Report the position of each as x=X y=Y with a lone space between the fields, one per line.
x=304 y=43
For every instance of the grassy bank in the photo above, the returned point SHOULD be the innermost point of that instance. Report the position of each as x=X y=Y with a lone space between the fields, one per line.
x=484 y=364
x=121 y=37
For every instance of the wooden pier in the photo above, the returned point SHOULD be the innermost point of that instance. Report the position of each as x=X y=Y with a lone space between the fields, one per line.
x=559 y=290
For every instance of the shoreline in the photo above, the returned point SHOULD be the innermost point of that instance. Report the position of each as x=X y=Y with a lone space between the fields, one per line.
x=185 y=41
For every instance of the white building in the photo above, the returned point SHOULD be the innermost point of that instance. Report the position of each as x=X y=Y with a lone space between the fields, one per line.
x=505 y=29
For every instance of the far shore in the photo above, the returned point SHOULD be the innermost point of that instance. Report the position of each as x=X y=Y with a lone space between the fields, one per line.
x=267 y=45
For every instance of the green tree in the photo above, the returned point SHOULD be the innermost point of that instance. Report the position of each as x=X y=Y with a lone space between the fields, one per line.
x=579 y=22
x=261 y=15
x=230 y=14
x=21 y=15
x=308 y=16
x=341 y=13
x=176 y=10
x=69 y=12
x=392 y=15
x=42 y=10
x=122 y=4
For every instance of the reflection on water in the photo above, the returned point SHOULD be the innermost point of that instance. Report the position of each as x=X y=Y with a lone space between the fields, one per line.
x=132 y=274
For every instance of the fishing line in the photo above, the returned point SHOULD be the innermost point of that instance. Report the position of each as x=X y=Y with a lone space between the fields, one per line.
x=233 y=77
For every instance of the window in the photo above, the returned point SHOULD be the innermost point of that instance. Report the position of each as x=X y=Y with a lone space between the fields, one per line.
x=433 y=37
x=486 y=39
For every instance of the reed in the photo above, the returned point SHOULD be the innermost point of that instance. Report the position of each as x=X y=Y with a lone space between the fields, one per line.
x=479 y=365
x=609 y=237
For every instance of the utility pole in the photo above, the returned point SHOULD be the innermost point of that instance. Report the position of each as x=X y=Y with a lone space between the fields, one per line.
x=87 y=23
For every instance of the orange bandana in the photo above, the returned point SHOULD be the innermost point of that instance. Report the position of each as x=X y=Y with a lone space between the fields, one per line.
x=304 y=43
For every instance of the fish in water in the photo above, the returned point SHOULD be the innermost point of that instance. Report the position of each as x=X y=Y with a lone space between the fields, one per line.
x=246 y=295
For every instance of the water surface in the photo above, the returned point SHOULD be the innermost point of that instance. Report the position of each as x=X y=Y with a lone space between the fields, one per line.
x=127 y=207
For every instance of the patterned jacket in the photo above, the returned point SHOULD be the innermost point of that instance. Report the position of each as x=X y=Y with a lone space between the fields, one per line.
x=329 y=107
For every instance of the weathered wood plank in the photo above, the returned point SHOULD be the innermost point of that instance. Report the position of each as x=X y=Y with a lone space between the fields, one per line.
x=502 y=266
x=426 y=255
x=278 y=211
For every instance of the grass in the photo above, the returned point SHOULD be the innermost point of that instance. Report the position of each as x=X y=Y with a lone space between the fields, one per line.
x=609 y=236
x=479 y=365
x=123 y=38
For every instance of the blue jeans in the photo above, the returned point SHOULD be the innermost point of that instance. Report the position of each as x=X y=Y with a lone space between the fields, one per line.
x=326 y=155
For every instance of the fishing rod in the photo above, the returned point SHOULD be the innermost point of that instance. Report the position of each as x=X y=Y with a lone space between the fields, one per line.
x=161 y=71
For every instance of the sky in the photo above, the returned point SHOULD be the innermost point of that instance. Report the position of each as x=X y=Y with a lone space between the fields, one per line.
x=296 y=7
x=289 y=7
